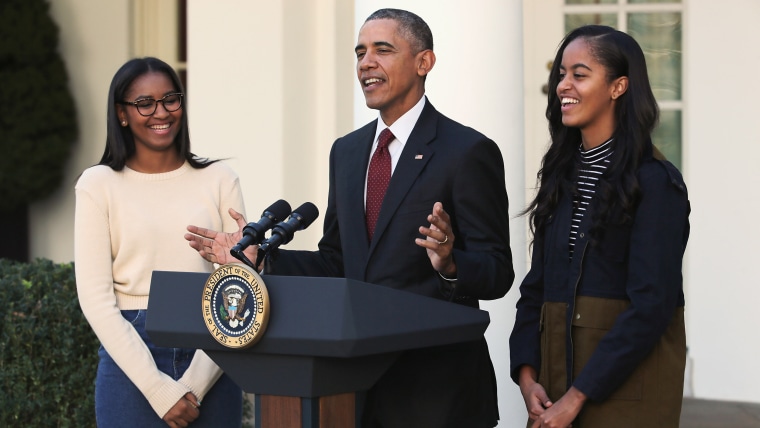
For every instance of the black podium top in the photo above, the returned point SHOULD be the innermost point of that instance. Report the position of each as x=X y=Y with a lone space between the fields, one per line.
x=354 y=328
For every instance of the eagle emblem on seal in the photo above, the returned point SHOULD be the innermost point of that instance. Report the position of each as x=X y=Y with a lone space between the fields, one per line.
x=233 y=299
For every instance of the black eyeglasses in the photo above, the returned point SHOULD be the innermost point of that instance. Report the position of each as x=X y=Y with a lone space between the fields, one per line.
x=147 y=106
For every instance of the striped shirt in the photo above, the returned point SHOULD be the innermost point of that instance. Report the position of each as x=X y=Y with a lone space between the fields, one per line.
x=593 y=163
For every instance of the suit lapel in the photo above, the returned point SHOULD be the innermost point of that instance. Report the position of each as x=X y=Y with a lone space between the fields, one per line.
x=416 y=154
x=357 y=158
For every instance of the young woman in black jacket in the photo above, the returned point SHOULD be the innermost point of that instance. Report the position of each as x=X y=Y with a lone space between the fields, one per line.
x=599 y=335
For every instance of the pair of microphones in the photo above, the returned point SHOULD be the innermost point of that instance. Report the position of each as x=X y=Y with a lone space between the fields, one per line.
x=274 y=218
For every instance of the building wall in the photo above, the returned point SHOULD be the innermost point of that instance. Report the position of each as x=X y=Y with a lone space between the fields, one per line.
x=721 y=160
x=94 y=41
x=272 y=84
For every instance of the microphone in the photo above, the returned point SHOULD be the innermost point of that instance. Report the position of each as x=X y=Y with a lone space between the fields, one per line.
x=283 y=231
x=253 y=233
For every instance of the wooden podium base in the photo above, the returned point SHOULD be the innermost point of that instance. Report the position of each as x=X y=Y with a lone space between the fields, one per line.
x=332 y=411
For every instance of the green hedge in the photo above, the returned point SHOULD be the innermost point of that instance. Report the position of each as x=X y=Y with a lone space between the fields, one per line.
x=48 y=353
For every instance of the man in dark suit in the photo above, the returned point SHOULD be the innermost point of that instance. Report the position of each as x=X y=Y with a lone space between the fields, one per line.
x=440 y=230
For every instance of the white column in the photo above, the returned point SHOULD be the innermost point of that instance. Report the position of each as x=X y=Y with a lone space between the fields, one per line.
x=235 y=92
x=267 y=84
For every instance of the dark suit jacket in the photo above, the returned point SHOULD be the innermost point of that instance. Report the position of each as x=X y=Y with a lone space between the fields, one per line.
x=442 y=161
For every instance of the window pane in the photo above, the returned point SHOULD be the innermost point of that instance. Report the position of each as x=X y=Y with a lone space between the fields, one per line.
x=653 y=1
x=667 y=136
x=576 y=20
x=659 y=35
x=182 y=30
x=591 y=1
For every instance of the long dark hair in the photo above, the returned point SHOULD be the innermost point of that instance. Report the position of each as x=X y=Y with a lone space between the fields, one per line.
x=636 y=115
x=120 y=143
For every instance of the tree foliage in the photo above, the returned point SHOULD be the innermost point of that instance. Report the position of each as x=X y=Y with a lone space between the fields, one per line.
x=38 y=123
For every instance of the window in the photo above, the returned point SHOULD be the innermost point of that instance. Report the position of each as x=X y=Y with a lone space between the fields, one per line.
x=159 y=29
x=657 y=26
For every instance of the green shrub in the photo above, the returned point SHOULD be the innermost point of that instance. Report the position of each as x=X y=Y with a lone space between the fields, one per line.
x=48 y=353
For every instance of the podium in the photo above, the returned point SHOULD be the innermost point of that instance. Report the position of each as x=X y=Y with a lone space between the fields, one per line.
x=327 y=339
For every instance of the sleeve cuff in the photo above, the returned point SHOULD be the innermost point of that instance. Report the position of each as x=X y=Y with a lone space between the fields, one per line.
x=446 y=278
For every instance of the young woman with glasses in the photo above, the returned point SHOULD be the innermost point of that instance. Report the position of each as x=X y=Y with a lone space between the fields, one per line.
x=130 y=209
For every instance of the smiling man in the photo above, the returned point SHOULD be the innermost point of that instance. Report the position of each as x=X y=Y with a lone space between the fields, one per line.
x=440 y=229
x=417 y=202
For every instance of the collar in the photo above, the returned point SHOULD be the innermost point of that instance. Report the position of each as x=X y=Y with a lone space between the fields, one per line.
x=404 y=125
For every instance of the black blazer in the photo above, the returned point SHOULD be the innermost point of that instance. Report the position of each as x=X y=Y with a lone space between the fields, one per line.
x=442 y=161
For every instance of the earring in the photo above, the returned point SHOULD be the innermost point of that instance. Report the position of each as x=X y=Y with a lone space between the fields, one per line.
x=123 y=123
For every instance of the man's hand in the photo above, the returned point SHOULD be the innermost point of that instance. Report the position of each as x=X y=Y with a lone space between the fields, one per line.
x=439 y=241
x=215 y=246
x=183 y=412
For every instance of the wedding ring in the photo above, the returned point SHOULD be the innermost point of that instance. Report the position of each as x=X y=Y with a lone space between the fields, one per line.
x=445 y=240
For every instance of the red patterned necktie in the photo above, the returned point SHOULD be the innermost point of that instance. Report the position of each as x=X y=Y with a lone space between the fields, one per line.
x=378 y=177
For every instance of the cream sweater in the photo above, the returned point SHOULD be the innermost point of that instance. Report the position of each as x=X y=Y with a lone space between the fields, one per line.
x=127 y=225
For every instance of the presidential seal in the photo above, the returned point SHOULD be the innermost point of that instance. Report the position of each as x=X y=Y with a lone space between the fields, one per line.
x=235 y=306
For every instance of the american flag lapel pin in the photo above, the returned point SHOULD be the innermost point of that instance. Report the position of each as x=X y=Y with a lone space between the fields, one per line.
x=418 y=157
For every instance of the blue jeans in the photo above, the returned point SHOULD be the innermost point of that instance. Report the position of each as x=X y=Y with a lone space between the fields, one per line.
x=118 y=402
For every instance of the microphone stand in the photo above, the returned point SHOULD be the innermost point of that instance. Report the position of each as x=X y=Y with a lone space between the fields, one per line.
x=238 y=254
x=262 y=254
